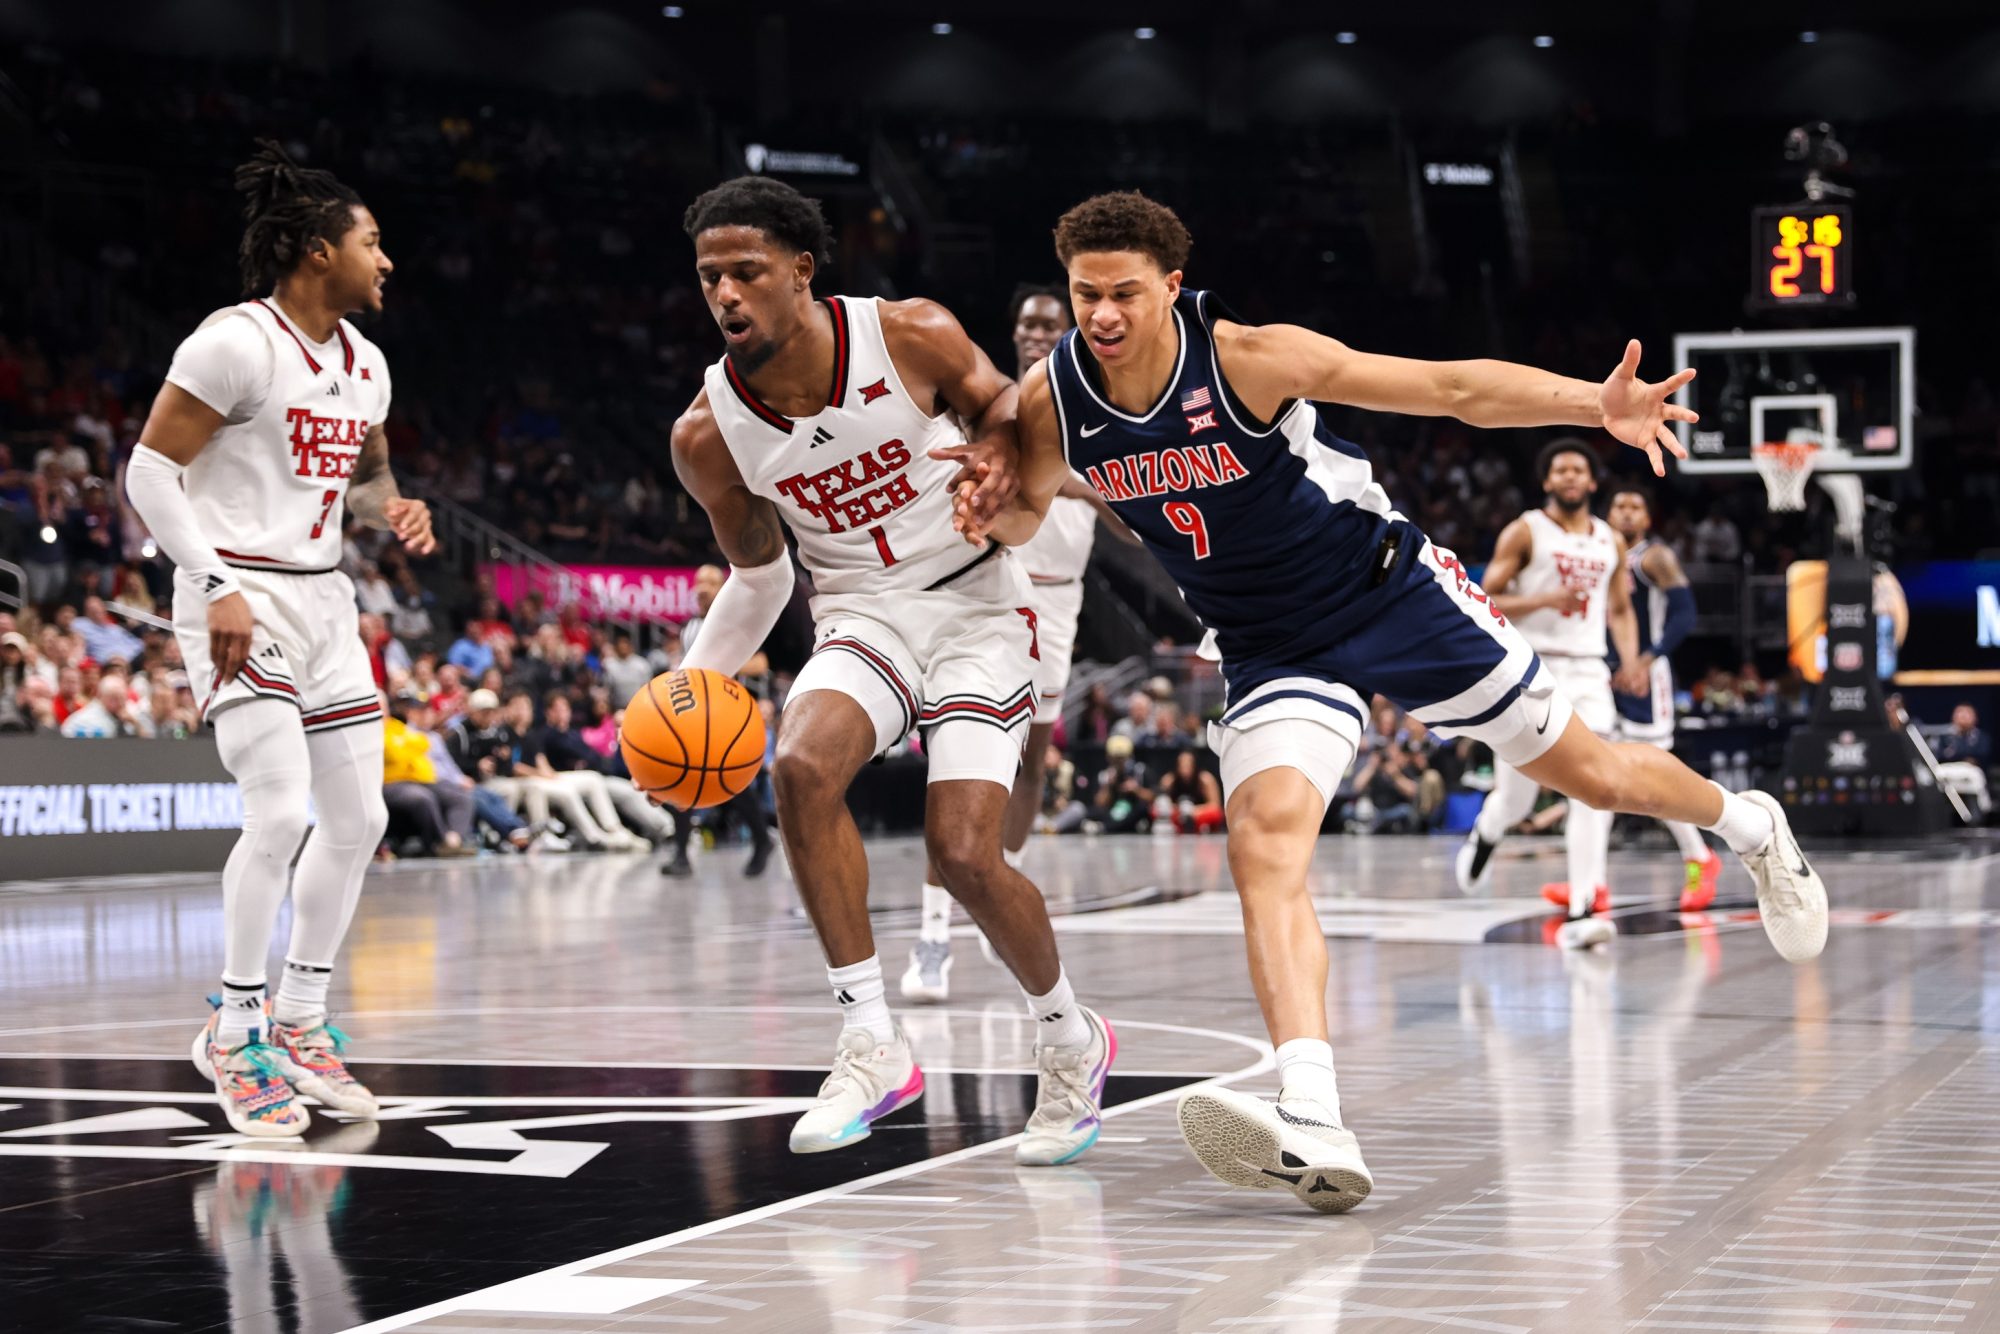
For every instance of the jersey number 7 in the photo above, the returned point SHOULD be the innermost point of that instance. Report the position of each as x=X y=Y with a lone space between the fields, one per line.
x=325 y=508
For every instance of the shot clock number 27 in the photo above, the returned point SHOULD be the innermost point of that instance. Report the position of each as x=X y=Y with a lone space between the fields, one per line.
x=1801 y=256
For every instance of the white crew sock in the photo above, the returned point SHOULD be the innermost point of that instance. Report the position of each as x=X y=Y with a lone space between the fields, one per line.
x=1059 y=1020
x=302 y=995
x=1745 y=827
x=242 y=1012
x=1688 y=839
x=1305 y=1070
x=937 y=914
x=858 y=988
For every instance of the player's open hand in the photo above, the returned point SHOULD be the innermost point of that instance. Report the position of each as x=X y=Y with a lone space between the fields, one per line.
x=410 y=520
x=229 y=627
x=1638 y=413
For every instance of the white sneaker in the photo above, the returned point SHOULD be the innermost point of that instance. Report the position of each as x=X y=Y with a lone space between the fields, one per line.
x=927 y=981
x=1791 y=897
x=1474 y=865
x=1295 y=1143
x=547 y=842
x=868 y=1082
x=1582 y=933
x=1069 y=1098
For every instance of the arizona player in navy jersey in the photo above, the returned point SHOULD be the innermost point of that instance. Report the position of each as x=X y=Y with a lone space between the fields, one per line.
x=1200 y=432
x=1665 y=606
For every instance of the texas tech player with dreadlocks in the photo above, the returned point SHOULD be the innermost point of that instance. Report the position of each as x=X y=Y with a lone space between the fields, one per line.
x=268 y=427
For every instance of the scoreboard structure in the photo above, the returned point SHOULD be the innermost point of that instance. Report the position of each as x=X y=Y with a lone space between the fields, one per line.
x=1802 y=257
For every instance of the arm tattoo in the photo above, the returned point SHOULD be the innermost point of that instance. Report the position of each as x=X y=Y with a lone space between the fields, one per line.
x=761 y=539
x=372 y=486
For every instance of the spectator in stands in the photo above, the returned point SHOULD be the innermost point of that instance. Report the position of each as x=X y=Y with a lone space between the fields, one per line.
x=482 y=747
x=1063 y=792
x=1093 y=724
x=1194 y=795
x=386 y=656
x=1124 y=801
x=70 y=695
x=599 y=830
x=667 y=654
x=487 y=807
x=625 y=672
x=15 y=673
x=103 y=637
x=1389 y=785
x=1137 y=724
x=110 y=714
x=1965 y=743
x=1716 y=538
x=447 y=701
x=38 y=705
x=439 y=814
x=469 y=653
x=133 y=591
x=410 y=618
x=372 y=592
x=559 y=747
x=491 y=625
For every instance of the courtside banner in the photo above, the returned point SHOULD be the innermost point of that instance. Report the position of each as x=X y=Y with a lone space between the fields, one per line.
x=114 y=807
x=604 y=592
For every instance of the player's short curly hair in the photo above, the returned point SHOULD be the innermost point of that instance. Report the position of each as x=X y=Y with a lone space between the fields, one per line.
x=1027 y=292
x=1124 y=220
x=1629 y=486
x=772 y=207
x=1564 y=444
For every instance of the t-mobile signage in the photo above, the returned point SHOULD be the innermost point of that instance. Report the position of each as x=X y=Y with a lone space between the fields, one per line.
x=604 y=592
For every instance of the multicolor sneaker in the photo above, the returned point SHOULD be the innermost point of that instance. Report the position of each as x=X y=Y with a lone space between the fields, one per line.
x=1069 y=1098
x=1295 y=1143
x=1699 y=891
x=311 y=1058
x=927 y=981
x=249 y=1084
x=868 y=1082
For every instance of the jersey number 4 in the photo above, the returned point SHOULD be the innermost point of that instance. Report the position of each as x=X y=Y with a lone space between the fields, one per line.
x=325 y=508
x=1187 y=519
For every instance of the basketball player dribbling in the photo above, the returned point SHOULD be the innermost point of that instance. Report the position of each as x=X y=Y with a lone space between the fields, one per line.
x=834 y=418
x=1664 y=603
x=1559 y=574
x=268 y=429
x=1201 y=433
x=1055 y=560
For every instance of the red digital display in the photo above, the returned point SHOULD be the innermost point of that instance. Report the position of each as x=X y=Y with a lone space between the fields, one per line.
x=1801 y=256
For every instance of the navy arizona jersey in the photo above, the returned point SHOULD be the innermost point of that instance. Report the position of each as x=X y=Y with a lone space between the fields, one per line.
x=1270 y=530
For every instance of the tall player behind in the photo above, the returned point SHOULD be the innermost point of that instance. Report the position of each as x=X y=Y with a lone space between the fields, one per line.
x=268 y=427
x=1558 y=572
x=835 y=417
x=1200 y=432
x=1664 y=604
x=1055 y=560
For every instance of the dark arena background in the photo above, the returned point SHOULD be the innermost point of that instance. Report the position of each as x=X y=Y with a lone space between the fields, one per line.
x=589 y=1024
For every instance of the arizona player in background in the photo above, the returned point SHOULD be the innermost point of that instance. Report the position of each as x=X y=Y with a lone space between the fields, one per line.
x=268 y=429
x=835 y=418
x=1055 y=560
x=1664 y=605
x=1201 y=433
x=1559 y=573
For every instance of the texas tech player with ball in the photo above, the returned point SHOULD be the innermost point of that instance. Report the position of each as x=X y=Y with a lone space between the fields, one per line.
x=268 y=428
x=835 y=417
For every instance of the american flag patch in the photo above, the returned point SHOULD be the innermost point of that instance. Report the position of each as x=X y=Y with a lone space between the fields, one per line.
x=1198 y=399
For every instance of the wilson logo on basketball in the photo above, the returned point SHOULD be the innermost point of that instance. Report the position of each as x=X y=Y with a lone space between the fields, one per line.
x=845 y=495
x=680 y=698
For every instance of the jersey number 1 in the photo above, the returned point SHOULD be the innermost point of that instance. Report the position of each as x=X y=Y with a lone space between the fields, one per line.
x=882 y=546
x=326 y=508
x=1187 y=519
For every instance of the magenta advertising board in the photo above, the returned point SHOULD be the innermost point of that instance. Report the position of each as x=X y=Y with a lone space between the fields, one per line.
x=605 y=592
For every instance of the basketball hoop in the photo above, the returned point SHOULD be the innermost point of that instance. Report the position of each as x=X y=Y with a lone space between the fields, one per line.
x=1785 y=467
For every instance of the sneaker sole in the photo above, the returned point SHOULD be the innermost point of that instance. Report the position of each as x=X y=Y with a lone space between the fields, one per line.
x=1227 y=1142
x=799 y=1144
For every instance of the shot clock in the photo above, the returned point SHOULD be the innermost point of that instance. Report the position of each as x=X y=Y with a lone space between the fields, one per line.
x=1801 y=256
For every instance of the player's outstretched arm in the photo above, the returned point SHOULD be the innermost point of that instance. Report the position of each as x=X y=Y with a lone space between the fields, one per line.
x=1044 y=472
x=375 y=500
x=938 y=361
x=1269 y=364
x=751 y=535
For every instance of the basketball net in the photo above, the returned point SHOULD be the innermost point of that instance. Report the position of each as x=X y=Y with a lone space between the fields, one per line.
x=1785 y=467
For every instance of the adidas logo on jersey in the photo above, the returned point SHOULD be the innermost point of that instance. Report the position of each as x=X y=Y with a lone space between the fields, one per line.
x=214 y=582
x=821 y=436
x=333 y=390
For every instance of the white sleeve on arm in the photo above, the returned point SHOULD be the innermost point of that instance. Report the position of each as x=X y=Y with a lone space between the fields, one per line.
x=153 y=485
x=741 y=616
x=226 y=363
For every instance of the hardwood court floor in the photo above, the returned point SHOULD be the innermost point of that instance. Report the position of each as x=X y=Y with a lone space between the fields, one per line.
x=590 y=1071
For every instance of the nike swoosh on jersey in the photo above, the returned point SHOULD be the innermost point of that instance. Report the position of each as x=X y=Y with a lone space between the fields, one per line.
x=1089 y=431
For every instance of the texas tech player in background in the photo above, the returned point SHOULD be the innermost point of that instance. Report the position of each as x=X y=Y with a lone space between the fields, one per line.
x=1055 y=560
x=1664 y=605
x=837 y=417
x=268 y=428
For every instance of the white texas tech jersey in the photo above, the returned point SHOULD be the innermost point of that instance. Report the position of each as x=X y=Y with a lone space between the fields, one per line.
x=1059 y=552
x=1562 y=559
x=871 y=509
x=269 y=488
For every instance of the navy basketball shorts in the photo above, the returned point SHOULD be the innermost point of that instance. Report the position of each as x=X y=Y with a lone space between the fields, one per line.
x=1438 y=649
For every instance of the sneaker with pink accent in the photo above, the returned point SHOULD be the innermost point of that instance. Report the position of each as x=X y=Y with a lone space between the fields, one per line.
x=1069 y=1098
x=312 y=1058
x=250 y=1085
x=868 y=1082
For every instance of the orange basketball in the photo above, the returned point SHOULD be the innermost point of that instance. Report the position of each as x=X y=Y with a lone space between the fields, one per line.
x=693 y=738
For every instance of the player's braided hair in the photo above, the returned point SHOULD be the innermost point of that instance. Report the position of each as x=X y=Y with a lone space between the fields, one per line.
x=1124 y=220
x=772 y=207
x=287 y=211
x=1027 y=292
